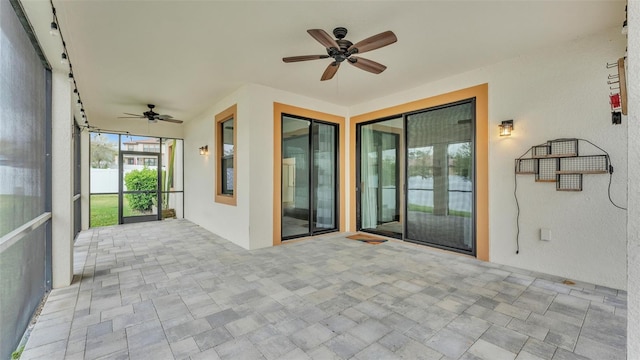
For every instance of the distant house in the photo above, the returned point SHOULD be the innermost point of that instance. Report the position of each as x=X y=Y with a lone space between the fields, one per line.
x=148 y=146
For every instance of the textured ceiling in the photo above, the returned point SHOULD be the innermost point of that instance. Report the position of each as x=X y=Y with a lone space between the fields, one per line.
x=186 y=55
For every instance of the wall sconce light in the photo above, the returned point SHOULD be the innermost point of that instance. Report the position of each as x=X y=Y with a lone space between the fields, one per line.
x=204 y=150
x=506 y=127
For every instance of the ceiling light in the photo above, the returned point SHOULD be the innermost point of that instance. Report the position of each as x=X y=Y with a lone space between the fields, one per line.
x=64 y=60
x=54 y=29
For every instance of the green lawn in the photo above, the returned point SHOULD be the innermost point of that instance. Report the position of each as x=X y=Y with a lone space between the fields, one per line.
x=429 y=209
x=104 y=210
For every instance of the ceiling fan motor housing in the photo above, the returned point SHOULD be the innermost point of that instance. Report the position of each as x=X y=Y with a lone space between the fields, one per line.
x=340 y=32
x=151 y=115
x=341 y=54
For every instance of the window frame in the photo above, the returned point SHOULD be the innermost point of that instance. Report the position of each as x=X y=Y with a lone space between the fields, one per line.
x=230 y=113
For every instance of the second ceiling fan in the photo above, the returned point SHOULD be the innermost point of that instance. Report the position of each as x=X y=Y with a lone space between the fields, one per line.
x=340 y=50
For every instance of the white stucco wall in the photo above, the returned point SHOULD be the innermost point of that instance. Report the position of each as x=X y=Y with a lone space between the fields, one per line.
x=558 y=92
x=261 y=163
x=230 y=222
x=633 y=219
x=249 y=223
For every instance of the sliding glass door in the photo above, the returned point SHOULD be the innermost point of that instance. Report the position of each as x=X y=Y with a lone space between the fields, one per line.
x=309 y=177
x=379 y=170
x=433 y=150
x=440 y=183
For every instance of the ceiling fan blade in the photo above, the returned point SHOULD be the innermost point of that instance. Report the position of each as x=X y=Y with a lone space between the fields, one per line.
x=373 y=42
x=175 y=121
x=330 y=71
x=130 y=117
x=367 y=65
x=133 y=114
x=163 y=117
x=323 y=38
x=304 y=58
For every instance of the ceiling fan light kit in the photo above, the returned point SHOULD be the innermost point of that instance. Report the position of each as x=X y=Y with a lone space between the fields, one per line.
x=341 y=49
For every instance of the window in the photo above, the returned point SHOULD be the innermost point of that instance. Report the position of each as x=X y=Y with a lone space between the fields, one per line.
x=150 y=148
x=225 y=135
x=150 y=162
x=130 y=147
x=130 y=161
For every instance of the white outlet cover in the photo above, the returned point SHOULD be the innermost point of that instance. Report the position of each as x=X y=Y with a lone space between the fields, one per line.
x=545 y=234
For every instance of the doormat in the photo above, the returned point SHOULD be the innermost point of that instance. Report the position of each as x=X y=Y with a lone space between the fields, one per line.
x=369 y=239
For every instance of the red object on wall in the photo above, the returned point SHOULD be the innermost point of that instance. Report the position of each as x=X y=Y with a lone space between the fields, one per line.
x=614 y=100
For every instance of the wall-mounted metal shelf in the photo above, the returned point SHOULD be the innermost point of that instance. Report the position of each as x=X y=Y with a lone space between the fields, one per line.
x=526 y=166
x=558 y=161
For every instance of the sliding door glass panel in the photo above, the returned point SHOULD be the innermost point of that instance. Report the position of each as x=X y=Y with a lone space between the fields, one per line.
x=440 y=177
x=380 y=177
x=295 y=176
x=324 y=176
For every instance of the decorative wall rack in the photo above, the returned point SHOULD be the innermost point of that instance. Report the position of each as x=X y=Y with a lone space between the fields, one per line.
x=558 y=161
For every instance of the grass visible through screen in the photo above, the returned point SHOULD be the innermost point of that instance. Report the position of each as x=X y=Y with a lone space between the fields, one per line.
x=104 y=210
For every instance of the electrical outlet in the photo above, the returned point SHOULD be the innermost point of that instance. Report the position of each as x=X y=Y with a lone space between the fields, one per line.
x=545 y=234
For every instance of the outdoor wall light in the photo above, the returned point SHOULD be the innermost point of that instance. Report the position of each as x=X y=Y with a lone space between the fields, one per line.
x=506 y=127
x=204 y=150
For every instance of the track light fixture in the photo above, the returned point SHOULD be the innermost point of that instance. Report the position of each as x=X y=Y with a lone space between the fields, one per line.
x=55 y=30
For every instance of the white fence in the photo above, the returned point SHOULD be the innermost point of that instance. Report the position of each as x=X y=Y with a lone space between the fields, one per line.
x=106 y=180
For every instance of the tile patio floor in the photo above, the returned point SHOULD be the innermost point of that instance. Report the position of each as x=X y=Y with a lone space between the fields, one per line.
x=171 y=289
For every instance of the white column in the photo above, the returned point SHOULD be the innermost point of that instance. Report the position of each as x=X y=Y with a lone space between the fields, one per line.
x=633 y=213
x=62 y=181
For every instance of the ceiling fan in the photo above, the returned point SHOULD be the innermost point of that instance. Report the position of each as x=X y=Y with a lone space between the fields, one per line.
x=341 y=50
x=152 y=116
